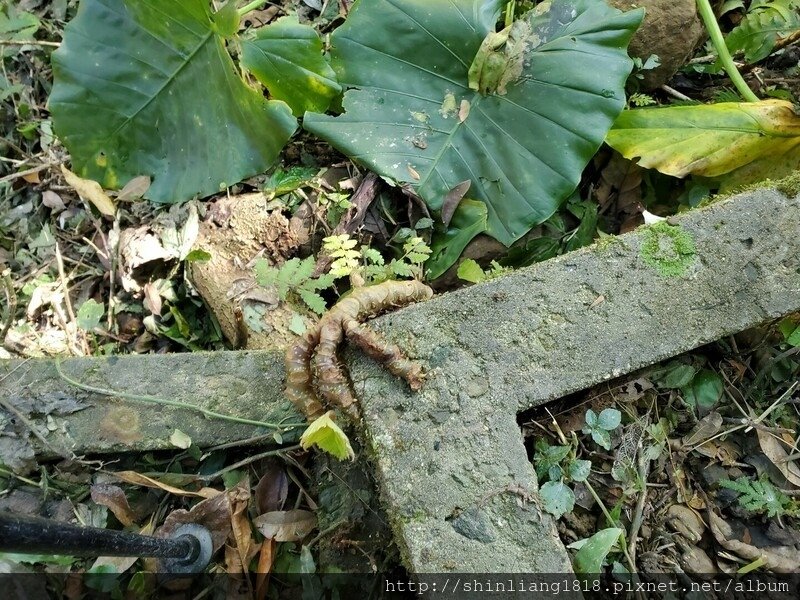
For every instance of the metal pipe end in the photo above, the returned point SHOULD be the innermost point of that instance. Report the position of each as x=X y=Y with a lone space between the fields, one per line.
x=199 y=550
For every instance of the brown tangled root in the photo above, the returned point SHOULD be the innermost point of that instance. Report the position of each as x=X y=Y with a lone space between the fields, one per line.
x=315 y=355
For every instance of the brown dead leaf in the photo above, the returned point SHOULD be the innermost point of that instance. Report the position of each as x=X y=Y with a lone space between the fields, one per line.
x=141 y=253
x=452 y=200
x=774 y=450
x=152 y=299
x=32 y=177
x=112 y=497
x=265 y=561
x=778 y=559
x=463 y=111
x=91 y=191
x=635 y=390
x=240 y=524
x=620 y=181
x=214 y=514
x=286 y=525
x=134 y=189
x=272 y=489
x=53 y=201
x=135 y=478
x=706 y=428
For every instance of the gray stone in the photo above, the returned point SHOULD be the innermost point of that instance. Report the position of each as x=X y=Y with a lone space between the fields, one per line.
x=671 y=29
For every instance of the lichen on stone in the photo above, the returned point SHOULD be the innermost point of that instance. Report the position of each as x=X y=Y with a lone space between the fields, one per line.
x=668 y=249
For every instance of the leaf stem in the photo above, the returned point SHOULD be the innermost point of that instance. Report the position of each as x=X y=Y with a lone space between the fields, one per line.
x=714 y=32
x=142 y=399
x=250 y=7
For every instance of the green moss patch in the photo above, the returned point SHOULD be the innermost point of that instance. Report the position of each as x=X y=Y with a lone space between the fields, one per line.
x=668 y=249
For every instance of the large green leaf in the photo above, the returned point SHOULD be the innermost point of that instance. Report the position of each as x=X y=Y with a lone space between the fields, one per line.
x=469 y=219
x=287 y=58
x=146 y=87
x=523 y=150
x=744 y=141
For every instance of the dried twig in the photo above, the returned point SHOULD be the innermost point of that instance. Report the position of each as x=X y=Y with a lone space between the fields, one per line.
x=26 y=172
x=11 y=303
x=29 y=43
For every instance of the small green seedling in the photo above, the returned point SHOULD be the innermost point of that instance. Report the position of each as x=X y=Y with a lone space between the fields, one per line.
x=600 y=426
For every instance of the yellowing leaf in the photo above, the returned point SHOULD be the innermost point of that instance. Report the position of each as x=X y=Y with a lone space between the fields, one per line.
x=744 y=141
x=180 y=439
x=90 y=191
x=327 y=436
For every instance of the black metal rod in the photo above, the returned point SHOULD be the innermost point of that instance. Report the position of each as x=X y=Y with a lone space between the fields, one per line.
x=35 y=535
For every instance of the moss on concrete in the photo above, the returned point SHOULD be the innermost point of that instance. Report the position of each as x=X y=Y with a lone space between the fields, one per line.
x=668 y=249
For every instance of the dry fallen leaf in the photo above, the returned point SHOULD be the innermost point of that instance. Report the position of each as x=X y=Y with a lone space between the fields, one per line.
x=135 y=478
x=463 y=111
x=53 y=201
x=452 y=199
x=286 y=525
x=134 y=189
x=272 y=489
x=90 y=191
x=774 y=450
x=265 y=561
x=114 y=498
x=779 y=559
x=240 y=524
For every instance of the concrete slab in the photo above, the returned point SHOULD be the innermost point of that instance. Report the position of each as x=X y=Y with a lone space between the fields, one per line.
x=242 y=384
x=451 y=458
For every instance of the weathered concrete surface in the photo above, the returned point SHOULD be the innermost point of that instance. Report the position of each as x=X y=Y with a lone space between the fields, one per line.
x=242 y=384
x=538 y=334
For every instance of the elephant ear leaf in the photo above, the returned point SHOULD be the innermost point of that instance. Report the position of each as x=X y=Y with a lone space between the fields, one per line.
x=146 y=87
x=548 y=90
x=745 y=142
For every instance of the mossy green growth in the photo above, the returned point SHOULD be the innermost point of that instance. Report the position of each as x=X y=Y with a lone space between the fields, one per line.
x=789 y=186
x=668 y=249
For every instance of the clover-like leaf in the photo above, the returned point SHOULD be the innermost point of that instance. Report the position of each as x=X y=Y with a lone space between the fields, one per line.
x=287 y=58
x=146 y=87
x=411 y=116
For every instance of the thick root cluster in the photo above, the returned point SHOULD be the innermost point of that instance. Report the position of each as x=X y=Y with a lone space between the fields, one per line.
x=312 y=364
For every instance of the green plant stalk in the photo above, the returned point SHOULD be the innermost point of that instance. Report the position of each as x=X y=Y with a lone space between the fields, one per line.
x=174 y=403
x=511 y=10
x=714 y=32
x=612 y=521
x=250 y=7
